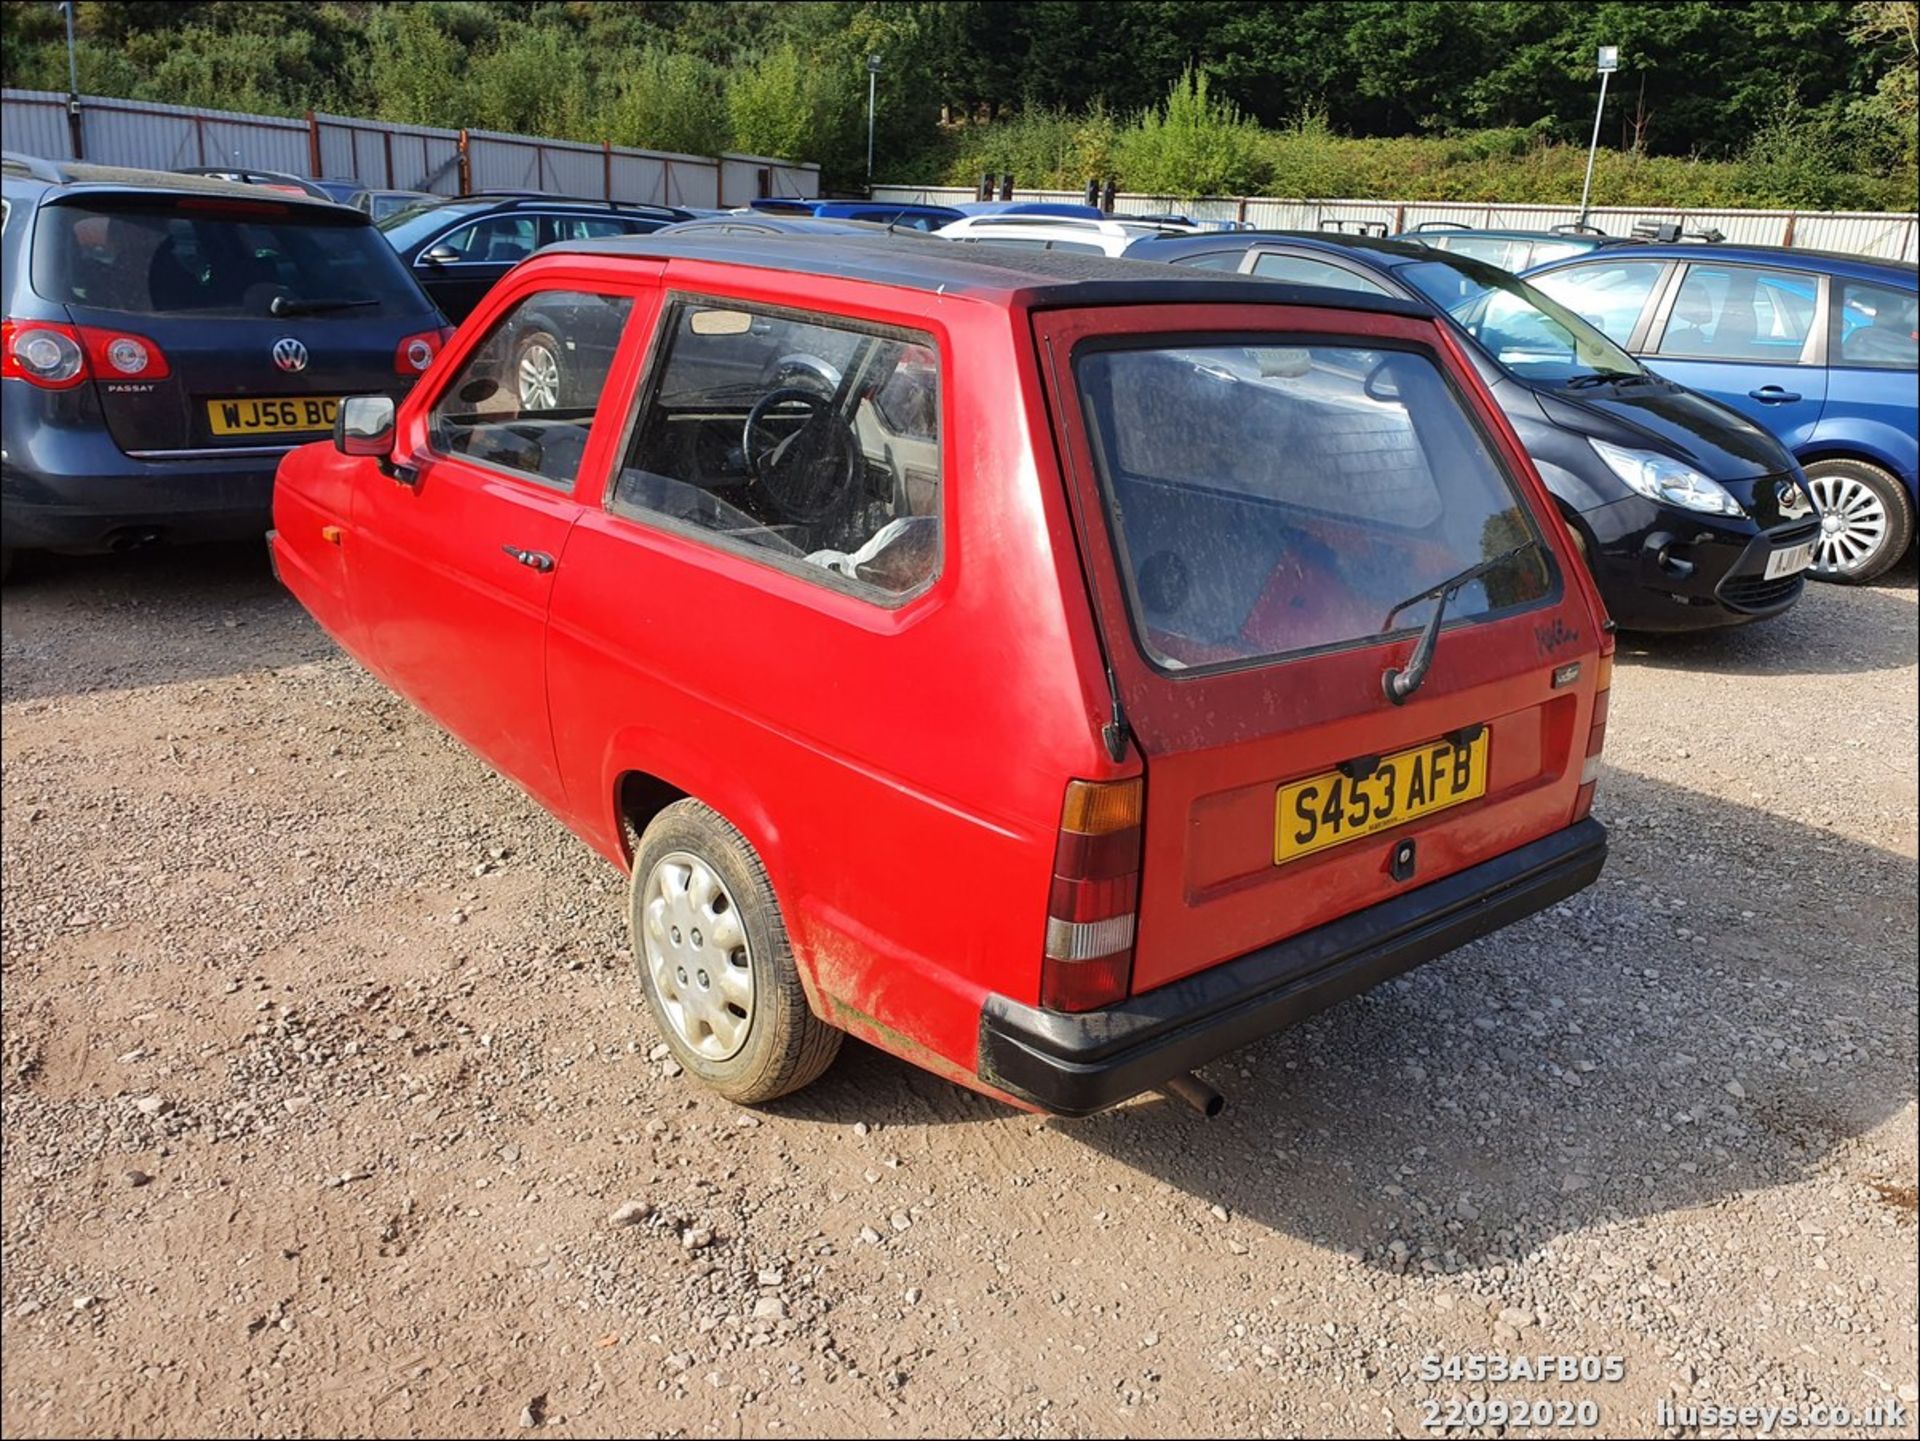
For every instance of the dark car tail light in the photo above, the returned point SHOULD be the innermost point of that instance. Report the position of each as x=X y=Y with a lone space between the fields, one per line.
x=121 y=354
x=1096 y=890
x=1596 y=736
x=415 y=353
x=42 y=353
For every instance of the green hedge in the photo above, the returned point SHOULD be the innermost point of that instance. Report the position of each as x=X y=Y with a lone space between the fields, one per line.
x=1195 y=146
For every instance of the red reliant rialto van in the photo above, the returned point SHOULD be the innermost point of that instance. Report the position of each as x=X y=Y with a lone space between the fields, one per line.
x=1056 y=671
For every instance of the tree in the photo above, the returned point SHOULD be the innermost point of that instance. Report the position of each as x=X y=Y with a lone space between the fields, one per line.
x=1891 y=27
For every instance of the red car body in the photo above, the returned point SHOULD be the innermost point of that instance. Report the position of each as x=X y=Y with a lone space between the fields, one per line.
x=901 y=769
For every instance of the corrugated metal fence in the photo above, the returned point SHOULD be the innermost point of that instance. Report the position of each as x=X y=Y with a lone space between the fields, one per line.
x=1892 y=236
x=151 y=136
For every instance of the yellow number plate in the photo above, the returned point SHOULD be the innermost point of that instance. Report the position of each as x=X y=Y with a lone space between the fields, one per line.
x=263 y=416
x=1331 y=809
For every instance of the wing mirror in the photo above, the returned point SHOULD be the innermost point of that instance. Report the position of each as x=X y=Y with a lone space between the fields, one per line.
x=441 y=254
x=364 y=426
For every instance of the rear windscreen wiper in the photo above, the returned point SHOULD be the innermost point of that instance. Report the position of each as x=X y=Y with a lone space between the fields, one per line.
x=1399 y=684
x=286 y=305
x=1607 y=377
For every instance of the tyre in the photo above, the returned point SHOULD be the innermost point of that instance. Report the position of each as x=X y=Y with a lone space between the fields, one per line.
x=538 y=379
x=1866 y=520
x=6 y=565
x=715 y=962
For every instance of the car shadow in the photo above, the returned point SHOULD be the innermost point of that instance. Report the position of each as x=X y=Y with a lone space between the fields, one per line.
x=1833 y=630
x=149 y=617
x=1636 y=1051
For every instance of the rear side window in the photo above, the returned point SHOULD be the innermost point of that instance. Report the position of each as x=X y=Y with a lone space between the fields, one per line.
x=1874 y=326
x=1302 y=271
x=524 y=398
x=1741 y=312
x=1268 y=500
x=812 y=442
x=1608 y=297
x=210 y=256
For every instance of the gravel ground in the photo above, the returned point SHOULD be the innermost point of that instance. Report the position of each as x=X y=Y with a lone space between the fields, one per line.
x=330 y=1105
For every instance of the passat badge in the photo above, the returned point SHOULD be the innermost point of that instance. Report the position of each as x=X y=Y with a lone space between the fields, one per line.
x=289 y=354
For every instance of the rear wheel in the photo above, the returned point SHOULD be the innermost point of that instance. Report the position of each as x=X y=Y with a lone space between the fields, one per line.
x=538 y=378
x=715 y=963
x=1866 y=520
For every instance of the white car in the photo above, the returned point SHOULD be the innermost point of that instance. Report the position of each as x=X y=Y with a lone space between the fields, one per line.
x=1052 y=232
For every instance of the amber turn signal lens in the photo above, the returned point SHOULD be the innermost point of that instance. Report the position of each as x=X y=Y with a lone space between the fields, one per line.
x=1095 y=808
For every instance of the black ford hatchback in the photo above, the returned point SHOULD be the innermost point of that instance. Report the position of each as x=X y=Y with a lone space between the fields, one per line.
x=1689 y=515
x=168 y=338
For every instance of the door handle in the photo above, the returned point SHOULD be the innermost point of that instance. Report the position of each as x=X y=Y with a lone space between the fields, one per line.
x=533 y=559
x=1774 y=395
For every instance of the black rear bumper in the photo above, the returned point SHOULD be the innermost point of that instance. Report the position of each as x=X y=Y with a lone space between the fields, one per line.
x=1073 y=1065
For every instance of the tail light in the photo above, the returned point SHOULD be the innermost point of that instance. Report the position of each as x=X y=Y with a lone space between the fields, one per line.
x=1096 y=891
x=42 y=353
x=122 y=354
x=415 y=353
x=58 y=357
x=1596 y=737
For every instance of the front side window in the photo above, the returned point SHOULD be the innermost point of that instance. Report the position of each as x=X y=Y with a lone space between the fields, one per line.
x=1741 y=312
x=1270 y=499
x=503 y=240
x=1301 y=271
x=1525 y=331
x=811 y=442
x=1874 y=326
x=524 y=399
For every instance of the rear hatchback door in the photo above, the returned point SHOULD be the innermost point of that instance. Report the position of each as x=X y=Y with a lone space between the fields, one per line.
x=193 y=281
x=1258 y=490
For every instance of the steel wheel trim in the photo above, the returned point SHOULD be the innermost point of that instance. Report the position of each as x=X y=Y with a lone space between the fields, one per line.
x=697 y=955
x=1853 y=523
x=539 y=379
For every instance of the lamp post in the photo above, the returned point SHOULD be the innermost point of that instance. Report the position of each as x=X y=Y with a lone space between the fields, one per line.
x=73 y=85
x=1609 y=61
x=873 y=75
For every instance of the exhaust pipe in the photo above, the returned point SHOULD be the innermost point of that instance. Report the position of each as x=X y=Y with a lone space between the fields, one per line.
x=1191 y=1090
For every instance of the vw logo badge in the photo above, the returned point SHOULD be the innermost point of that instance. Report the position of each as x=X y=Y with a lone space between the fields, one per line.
x=290 y=355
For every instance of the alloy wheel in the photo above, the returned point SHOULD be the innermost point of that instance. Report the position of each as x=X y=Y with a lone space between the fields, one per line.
x=1853 y=523
x=539 y=378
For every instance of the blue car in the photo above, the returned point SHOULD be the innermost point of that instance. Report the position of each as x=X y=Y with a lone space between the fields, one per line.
x=1822 y=349
x=878 y=212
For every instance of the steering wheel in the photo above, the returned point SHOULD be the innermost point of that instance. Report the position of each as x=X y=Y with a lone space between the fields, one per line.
x=810 y=473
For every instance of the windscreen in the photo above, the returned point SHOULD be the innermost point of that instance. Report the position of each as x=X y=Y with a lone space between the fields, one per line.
x=404 y=228
x=1268 y=500
x=1526 y=332
x=217 y=257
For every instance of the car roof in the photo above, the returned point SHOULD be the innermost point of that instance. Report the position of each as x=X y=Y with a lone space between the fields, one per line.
x=80 y=178
x=765 y=222
x=1386 y=253
x=1033 y=278
x=1584 y=237
x=1834 y=261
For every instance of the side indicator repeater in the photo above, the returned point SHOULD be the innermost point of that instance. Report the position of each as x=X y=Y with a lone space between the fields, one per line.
x=331 y=534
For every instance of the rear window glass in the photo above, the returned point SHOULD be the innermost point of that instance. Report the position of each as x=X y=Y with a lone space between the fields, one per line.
x=216 y=258
x=1268 y=500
